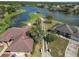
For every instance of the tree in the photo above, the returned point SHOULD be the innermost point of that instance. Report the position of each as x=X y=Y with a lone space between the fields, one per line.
x=49 y=17
x=50 y=37
x=11 y=9
x=36 y=31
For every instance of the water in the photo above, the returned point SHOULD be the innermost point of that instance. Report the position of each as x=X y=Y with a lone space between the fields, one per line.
x=67 y=18
x=17 y=20
x=36 y=9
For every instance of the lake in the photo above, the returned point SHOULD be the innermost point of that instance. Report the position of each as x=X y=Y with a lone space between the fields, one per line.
x=17 y=20
x=66 y=18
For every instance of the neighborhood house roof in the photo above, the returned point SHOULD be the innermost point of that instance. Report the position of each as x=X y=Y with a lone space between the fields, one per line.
x=13 y=33
x=21 y=42
x=65 y=28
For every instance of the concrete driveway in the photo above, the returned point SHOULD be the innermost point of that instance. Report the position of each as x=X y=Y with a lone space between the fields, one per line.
x=72 y=49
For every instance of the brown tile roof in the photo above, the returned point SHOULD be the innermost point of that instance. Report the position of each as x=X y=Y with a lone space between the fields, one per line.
x=13 y=33
x=22 y=44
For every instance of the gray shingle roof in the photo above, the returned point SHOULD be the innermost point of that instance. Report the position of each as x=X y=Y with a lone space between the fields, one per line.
x=65 y=28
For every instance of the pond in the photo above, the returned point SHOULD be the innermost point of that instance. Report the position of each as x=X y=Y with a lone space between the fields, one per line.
x=66 y=18
x=17 y=20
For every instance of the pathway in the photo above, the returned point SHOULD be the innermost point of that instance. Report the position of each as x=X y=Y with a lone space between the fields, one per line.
x=44 y=48
x=72 y=49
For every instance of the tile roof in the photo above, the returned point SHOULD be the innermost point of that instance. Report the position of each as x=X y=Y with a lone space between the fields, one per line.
x=22 y=44
x=13 y=33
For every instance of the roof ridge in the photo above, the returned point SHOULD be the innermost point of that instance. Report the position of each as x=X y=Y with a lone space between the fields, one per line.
x=77 y=28
x=69 y=28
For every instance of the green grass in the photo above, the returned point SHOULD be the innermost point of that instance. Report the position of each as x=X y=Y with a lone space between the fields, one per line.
x=49 y=25
x=5 y=22
x=33 y=18
x=58 y=47
x=1 y=48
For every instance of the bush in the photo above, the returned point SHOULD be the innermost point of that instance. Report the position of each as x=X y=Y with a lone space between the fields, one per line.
x=50 y=37
x=49 y=17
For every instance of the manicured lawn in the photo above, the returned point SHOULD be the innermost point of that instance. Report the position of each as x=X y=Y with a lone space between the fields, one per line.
x=33 y=18
x=58 y=47
x=49 y=25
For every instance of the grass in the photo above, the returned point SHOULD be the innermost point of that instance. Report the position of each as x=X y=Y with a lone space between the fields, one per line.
x=33 y=18
x=78 y=53
x=5 y=22
x=36 y=50
x=58 y=47
x=53 y=22
x=1 y=48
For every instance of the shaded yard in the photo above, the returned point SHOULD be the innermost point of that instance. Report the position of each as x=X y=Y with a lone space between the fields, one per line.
x=58 y=47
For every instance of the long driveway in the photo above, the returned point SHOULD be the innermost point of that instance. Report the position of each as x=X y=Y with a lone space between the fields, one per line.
x=44 y=48
x=72 y=49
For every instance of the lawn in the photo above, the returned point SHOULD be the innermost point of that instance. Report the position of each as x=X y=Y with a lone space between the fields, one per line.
x=51 y=22
x=5 y=23
x=33 y=18
x=49 y=25
x=36 y=50
x=58 y=47
x=1 y=48
x=78 y=53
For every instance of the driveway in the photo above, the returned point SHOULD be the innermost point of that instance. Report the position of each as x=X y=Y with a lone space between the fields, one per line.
x=72 y=49
x=44 y=49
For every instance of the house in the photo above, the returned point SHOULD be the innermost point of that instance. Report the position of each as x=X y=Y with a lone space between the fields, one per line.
x=66 y=30
x=18 y=43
